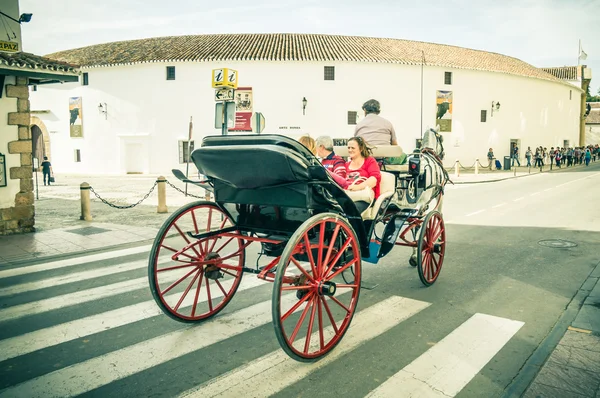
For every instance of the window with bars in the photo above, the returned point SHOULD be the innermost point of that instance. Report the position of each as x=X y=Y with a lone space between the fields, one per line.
x=185 y=150
x=330 y=73
x=170 y=73
x=483 y=116
x=447 y=77
x=77 y=156
x=352 y=116
x=84 y=80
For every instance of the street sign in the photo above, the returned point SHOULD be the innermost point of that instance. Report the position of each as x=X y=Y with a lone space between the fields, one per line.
x=224 y=78
x=229 y=114
x=258 y=122
x=224 y=94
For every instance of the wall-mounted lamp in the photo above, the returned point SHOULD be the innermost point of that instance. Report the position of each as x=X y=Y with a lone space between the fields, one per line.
x=103 y=108
x=23 y=18
x=495 y=107
x=304 y=101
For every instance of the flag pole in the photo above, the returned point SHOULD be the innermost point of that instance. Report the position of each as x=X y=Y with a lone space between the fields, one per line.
x=187 y=163
x=579 y=54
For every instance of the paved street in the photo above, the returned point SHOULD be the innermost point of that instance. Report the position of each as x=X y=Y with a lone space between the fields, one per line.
x=88 y=325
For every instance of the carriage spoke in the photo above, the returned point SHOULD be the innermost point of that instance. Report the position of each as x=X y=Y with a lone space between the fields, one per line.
x=311 y=260
x=187 y=290
x=311 y=322
x=340 y=304
x=337 y=257
x=196 y=298
x=227 y=272
x=342 y=269
x=328 y=310
x=177 y=282
x=320 y=254
x=222 y=246
x=297 y=264
x=221 y=287
x=209 y=297
x=186 y=265
x=330 y=248
x=296 y=306
x=301 y=320
x=320 y=315
x=194 y=221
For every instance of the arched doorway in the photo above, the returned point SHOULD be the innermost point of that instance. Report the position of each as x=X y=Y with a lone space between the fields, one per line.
x=40 y=139
x=37 y=141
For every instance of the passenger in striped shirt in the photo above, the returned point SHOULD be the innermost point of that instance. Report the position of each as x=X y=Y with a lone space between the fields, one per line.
x=332 y=162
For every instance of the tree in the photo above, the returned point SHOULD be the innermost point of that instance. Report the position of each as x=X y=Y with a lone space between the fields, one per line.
x=592 y=98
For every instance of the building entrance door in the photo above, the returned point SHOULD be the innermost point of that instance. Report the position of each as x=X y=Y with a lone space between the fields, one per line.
x=134 y=158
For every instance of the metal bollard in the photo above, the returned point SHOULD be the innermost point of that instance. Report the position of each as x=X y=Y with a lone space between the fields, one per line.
x=162 y=195
x=476 y=166
x=456 y=169
x=84 y=190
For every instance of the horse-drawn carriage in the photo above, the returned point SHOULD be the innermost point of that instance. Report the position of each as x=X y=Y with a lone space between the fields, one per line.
x=272 y=190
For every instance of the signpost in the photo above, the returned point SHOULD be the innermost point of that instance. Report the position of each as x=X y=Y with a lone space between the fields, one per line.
x=187 y=166
x=224 y=81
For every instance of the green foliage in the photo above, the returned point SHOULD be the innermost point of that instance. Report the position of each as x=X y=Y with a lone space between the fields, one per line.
x=592 y=98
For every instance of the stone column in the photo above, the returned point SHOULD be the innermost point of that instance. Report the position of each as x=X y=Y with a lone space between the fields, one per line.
x=21 y=217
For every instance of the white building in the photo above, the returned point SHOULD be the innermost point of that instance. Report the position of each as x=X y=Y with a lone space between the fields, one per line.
x=149 y=89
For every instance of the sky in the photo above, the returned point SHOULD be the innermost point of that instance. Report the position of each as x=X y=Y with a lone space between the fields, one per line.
x=543 y=33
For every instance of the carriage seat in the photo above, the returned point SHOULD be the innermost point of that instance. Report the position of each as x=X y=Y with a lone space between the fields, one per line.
x=382 y=151
x=387 y=188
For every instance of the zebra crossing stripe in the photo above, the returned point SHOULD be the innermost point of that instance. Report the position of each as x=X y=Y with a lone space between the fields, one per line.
x=446 y=368
x=73 y=277
x=97 y=372
x=366 y=325
x=73 y=261
x=47 y=337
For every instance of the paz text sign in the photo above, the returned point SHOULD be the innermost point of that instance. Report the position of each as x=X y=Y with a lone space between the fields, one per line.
x=9 y=46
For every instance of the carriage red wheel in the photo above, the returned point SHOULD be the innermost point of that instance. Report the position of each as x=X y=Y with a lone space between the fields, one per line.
x=432 y=247
x=192 y=278
x=312 y=303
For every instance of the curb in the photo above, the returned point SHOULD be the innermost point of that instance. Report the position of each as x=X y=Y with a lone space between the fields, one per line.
x=534 y=363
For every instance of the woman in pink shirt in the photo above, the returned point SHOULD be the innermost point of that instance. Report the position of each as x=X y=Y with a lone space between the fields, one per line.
x=363 y=174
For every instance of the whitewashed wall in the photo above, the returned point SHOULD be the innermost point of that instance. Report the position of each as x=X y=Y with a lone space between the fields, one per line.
x=7 y=134
x=148 y=114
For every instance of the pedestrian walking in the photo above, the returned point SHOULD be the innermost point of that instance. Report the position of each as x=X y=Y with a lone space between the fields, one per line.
x=47 y=170
x=528 y=156
x=515 y=154
x=588 y=156
x=490 y=156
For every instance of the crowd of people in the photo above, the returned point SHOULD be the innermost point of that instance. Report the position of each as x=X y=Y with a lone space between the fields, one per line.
x=559 y=156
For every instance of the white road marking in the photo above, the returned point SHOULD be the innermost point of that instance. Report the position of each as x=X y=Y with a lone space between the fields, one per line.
x=535 y=193
x=448 y=366
x=43 y=338
x=517 y=199
x=84 y=296
x=73 y=261
x=366 y=325
x=476 y=212
x=99 y=371
x=579 y=179
x=74 y=277
x=498 y=205
x=548 y=189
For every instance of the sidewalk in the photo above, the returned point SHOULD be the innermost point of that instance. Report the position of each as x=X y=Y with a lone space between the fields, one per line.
x=573 y=367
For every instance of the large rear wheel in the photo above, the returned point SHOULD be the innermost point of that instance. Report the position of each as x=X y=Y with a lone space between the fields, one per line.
x=312 y=303
x=432 y=247
x=193 y=278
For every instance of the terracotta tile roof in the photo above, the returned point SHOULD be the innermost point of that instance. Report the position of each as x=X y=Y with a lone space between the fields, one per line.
x=294 y=47
x=594 y=105
x=27 y=61
x=563 y=72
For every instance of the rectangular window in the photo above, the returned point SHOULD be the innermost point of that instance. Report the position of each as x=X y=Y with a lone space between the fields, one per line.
x=185 y=151
x=84 y=80
x=34 y=87
x=170 y=73
x=483 y=116
x=330 y=73
x=570 y=94
x=77 y=156
x=447 y=77
x=352 y=116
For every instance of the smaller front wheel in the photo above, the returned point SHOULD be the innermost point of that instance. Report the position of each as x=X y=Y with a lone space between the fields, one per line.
x=431 y=248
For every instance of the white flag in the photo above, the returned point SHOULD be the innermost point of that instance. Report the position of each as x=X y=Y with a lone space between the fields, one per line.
x=582 y=55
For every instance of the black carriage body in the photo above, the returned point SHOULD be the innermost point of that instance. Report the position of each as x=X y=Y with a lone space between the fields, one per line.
x=271 y=184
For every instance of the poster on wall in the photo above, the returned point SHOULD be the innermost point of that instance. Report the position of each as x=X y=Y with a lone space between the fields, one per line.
x=243 y=109
x=75 y=121
x=443 y=117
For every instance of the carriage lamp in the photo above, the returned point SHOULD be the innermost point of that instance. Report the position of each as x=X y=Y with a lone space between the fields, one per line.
x=25 y=17
x=304 y=101
x=103 y=108
x=495 y=107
